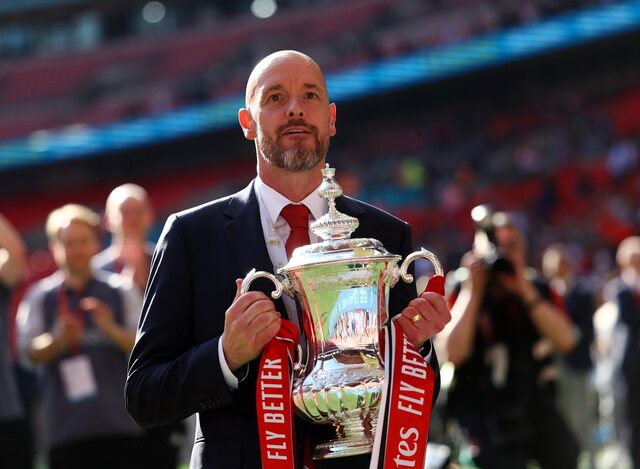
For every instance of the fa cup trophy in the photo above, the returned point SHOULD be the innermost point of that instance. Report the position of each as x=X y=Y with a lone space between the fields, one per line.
x=341 y=286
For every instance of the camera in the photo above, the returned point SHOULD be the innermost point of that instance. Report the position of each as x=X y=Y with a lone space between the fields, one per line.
x=486 y=221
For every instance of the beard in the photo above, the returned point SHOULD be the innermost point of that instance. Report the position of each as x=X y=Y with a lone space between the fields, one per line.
x=296 y=159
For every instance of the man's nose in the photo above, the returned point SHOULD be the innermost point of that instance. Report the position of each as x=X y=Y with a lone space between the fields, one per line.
x=295 y=109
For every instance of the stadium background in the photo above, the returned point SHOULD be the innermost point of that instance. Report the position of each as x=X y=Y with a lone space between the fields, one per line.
x=532 y=106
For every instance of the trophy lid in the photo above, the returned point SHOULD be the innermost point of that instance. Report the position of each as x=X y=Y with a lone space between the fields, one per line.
x=335 y=229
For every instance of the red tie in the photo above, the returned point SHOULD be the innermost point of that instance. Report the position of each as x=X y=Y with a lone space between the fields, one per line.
x=297 y=216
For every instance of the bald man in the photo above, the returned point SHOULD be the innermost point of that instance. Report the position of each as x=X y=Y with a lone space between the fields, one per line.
x=129 y=216
x=199 y=341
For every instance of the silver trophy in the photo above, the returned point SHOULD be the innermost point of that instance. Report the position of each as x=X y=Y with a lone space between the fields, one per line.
x=341 y=286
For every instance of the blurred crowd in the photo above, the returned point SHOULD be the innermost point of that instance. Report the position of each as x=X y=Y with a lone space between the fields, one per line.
x=563 y=156
x=64 y=363
x=391 y=26
x=549 y=344
x=542 y=364
x=104 y=62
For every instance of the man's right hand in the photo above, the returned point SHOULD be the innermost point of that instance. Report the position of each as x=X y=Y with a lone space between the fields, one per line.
x=67 y=330
x=250 y=322
x=478 y=273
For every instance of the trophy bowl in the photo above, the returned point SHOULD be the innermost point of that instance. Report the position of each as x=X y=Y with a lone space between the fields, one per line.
x=341 y=287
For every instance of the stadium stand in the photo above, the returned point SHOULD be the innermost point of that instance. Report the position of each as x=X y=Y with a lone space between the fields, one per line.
x=132 y=75
x=550 y=152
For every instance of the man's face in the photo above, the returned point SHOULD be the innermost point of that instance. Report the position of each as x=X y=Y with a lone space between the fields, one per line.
x=553 y=264
x=289 y=114
x=76 y=244
x=511 y=245
x=133 y=218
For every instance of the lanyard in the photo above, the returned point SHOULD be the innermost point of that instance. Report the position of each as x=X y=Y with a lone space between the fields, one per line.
x=65 y=311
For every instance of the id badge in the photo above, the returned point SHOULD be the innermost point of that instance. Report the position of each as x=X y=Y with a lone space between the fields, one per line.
x=499 y=365
x=78 y=378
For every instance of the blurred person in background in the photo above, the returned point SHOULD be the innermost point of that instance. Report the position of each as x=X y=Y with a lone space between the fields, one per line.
x=129 y=215
x=199 y=339
x=78 y=327
x=577 y=396
x=624 y=292
x=15 y=436
x=505 y=325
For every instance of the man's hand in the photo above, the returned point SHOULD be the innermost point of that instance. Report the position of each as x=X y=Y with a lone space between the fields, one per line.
x=105 y=321
x=424 y=317
x=49 y=346
x=478 y=276
x=250 y=323
x=135 y=261
x=101 y=313
x=133 y=252
x=67 y=330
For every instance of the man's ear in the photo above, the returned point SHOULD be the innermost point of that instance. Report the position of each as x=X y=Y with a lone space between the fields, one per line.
x=247 y=123
x=332 y=119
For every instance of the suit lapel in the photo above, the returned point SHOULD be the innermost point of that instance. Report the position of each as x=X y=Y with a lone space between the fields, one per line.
x=245 y=238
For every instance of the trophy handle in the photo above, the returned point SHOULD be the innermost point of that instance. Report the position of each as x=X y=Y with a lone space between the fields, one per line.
x=424 y=254
x=299 y=365
x=252 y=275
x=281 y=286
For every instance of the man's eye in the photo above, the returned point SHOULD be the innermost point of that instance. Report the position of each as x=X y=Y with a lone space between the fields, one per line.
x=312 y=95
x=274 y=98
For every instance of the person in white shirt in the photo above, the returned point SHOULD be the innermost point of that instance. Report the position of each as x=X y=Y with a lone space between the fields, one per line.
x=77 y=327
x=199 y=339
x=129 y=216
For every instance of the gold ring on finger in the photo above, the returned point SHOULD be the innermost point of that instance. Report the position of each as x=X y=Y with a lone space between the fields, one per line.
x=416 y=318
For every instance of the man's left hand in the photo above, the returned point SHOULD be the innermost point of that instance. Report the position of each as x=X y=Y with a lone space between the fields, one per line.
x=424 y=317
x=102 y=314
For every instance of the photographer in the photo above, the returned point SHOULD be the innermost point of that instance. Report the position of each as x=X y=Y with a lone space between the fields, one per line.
x=504 y=329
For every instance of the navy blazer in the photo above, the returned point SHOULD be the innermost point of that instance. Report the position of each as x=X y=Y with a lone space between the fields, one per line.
x=174 y=370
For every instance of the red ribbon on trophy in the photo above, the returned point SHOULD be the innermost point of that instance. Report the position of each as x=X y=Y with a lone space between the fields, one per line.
x=273 y=399
x=405 y=412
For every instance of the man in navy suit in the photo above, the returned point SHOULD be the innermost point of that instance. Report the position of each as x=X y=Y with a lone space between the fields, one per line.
x=198 y=338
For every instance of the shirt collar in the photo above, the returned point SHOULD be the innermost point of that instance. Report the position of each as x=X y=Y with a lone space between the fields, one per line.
x=274 y=202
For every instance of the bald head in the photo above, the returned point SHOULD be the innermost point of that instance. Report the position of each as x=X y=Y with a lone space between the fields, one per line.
x=628 y=253
x=129 y=212
x=278 y=58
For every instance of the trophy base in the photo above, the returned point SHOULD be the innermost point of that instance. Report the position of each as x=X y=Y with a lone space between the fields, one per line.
x=354 y=436
x=341 y=447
